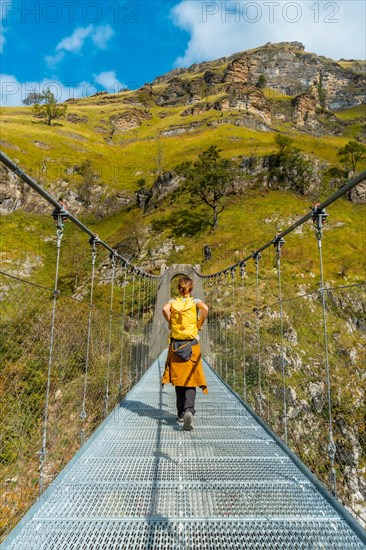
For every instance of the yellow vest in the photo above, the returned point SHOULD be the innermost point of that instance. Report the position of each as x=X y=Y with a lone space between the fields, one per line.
x=184 y=319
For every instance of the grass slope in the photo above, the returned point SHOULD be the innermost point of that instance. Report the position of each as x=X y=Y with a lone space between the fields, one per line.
x=51 y=154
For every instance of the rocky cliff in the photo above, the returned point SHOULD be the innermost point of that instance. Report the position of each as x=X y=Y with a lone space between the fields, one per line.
x=286 y=67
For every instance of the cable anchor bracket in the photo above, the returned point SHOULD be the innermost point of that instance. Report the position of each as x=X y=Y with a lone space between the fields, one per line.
x=256 y=257
x=60 y=216
x=278 y=243
x=318 y=217
x=94 y=241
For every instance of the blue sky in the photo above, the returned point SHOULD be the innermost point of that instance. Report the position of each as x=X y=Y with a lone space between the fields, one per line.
x=79 y=47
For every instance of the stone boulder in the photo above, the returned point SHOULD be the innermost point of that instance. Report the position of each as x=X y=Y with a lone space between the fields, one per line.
x=76 y=119
x=358 y=193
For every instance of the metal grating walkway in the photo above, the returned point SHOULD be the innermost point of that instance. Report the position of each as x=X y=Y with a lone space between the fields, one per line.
x=141 y=482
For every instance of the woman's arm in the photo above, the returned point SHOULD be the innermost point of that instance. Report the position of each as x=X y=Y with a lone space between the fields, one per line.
x=167 y=312
x=203 y=314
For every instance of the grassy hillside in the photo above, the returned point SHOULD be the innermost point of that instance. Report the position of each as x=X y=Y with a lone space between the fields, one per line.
x=49 y=151
x=241 y=226
x=129 y=136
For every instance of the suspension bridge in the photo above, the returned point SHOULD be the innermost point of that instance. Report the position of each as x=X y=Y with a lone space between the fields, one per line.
x=91 y=453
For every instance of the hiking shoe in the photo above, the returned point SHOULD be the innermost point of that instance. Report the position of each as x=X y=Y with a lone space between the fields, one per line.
x=180 y=419
x=187 y=421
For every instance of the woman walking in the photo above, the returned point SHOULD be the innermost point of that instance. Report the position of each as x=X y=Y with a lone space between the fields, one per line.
x=183 y=368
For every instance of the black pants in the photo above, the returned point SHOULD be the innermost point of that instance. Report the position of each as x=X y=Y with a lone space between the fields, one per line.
x=185 y=399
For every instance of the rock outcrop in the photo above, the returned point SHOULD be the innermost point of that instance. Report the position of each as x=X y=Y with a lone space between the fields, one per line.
x=128 y=120
x=246 y=98
x=15 y=195
x=358 y=194
x=162 y=186
x=76 y=119
x=305 y=110
x=286 y=67
x=240 y=69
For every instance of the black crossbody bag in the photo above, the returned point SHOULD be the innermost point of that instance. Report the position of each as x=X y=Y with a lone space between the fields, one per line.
x=183 y=348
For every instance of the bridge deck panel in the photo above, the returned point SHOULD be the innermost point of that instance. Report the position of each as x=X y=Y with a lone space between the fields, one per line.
x=142 y=482
x=198 y=535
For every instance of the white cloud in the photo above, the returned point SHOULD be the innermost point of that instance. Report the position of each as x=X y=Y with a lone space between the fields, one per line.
x=53 y=60
x=12 y=92
x=75 y=42
x=2 y=37
x=109 y=81
x=333 y=29
x=101 y=35
x=4 y=9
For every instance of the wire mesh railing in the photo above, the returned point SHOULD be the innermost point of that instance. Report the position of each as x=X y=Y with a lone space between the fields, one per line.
x=47 y=414
x=293 y=347
x=296 y=353
x=69 y=353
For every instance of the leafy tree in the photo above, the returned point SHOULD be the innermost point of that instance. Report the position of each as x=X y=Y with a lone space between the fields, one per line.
x=45 y=106
x=132 y=236
x=33 y=98
x=207 y=180
x=144 y=97
x=89 y=177
x=289 y=166
x=351 y=154
x=283 y=142
x=141 y=182
x=261 y=82
x=321 y=90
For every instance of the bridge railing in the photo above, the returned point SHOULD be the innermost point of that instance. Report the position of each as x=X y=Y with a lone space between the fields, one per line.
x=75 y=334
x=287 y=329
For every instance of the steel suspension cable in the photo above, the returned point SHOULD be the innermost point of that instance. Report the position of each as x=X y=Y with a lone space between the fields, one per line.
x=152 y=308
x=120 y=386
x=257 y=260
x=216 y=286
x=318 y=219
x=278 y=245
x=93 y=242
x=221 y=324
x=131 y=335
x=59 y=207
x=215 y=320
x=151 y=314
x=233 y=317
x=106 y=398
x=211 y=321
x=144 y=342
x=318 y=208
x=243 y=332
x=226 y=326
x=138 y=331
x=149 y=322
x=43 y=452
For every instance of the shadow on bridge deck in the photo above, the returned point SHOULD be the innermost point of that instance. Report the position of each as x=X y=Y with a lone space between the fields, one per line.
x=142 y=482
